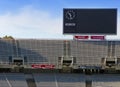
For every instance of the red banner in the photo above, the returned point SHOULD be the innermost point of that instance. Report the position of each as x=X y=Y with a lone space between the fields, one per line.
x=81 y=37
x=98 y=37
x=43 y=66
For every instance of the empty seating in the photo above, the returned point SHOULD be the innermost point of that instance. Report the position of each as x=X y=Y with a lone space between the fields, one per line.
x=6 y=50
x=48 y=51
x=106 y=80
x=41 y=50
x=89 y=52
x=12 y=80
x=45 y=80
x=59 y=80
x=16 y=80
x=71 y=80
x=3 y=82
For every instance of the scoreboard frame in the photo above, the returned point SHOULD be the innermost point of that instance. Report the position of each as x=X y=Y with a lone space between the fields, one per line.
x=92 y=21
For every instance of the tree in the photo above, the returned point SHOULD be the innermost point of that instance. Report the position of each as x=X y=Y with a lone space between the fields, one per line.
x=8 y=37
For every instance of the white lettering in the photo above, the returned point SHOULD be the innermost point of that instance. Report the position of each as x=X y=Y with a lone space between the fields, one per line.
x=70 y=24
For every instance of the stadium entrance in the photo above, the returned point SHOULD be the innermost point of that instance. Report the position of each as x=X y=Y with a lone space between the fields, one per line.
x=66 y=62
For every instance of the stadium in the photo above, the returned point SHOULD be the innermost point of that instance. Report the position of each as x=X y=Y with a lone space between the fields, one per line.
x=65 y=63
x=62 y=55
x=59 y=63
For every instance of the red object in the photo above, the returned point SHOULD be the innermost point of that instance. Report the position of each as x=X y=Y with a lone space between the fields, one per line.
x=43 y=66
x=81 y=37
x=98 y=37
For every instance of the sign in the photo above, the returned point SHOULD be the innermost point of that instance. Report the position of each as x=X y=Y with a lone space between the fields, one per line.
x=81 y=37
x=43 y=66
x=97 y=37
x=97 y=21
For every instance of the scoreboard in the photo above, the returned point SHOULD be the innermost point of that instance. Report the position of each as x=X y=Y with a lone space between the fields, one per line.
x=90 y=21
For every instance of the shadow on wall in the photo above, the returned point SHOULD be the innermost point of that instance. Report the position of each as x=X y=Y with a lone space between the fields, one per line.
x=11 y=48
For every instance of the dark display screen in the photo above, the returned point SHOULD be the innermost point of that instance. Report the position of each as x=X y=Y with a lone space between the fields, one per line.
x=90 y=21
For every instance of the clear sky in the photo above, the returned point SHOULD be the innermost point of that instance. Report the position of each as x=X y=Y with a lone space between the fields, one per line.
x=43 y=18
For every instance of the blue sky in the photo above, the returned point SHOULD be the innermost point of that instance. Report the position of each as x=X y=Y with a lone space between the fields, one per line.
x=43 y=18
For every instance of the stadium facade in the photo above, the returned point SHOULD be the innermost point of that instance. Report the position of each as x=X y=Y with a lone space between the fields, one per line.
x=64 y=55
